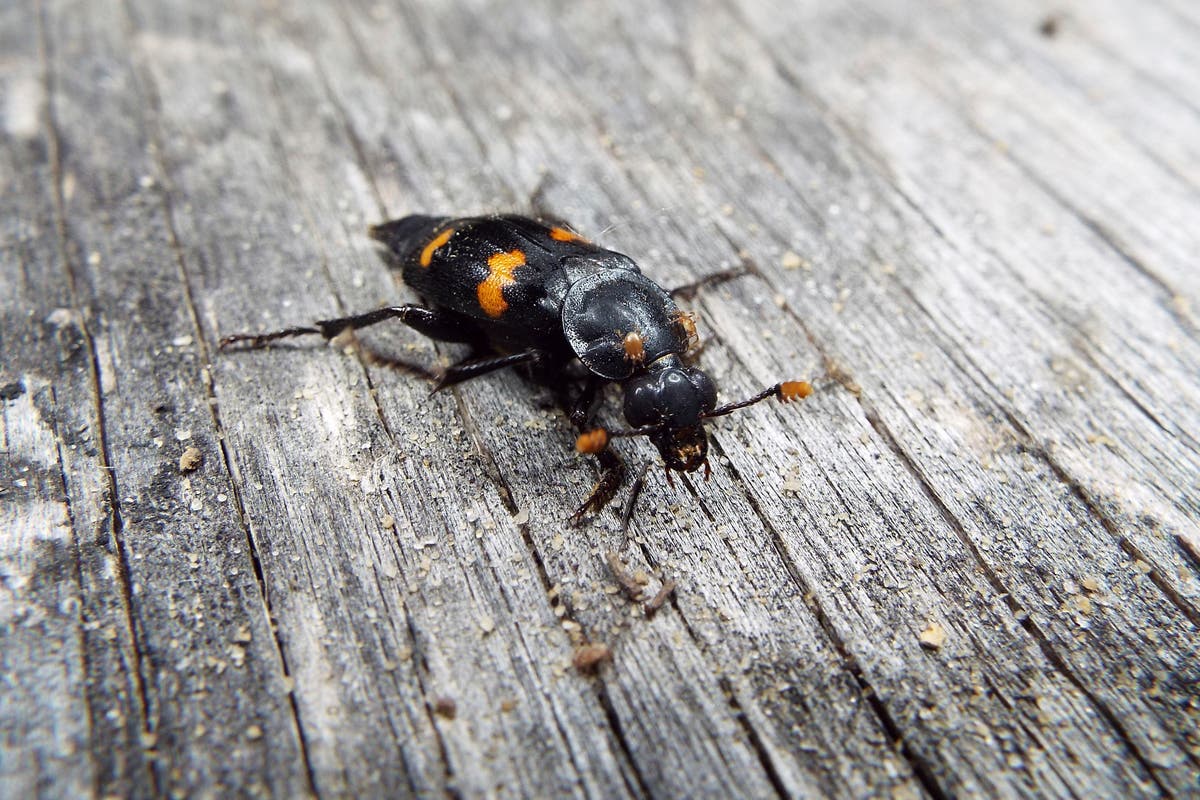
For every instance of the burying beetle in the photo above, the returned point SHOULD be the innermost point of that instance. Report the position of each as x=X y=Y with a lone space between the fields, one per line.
x=521 y=291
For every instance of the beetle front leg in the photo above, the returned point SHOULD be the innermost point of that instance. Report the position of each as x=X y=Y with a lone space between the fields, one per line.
x=612 y=473
x=585 y=404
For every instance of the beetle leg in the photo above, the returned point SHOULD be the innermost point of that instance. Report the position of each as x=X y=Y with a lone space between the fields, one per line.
x=374 y=356
x=434 y=324
x=612 y=471
x=634 y=494
x=585 y=403
x=474 y=367
x=690 y=290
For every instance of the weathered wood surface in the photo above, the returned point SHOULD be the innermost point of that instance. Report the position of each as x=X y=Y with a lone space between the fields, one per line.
x=996 y=209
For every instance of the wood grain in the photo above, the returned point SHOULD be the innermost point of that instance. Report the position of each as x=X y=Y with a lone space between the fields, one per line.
x=972 y=229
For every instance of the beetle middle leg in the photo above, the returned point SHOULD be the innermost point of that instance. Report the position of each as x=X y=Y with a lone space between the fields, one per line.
x=470 y=368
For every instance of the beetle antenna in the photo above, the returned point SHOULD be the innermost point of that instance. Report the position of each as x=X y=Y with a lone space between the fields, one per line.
x=595 y=440
x=786 y=392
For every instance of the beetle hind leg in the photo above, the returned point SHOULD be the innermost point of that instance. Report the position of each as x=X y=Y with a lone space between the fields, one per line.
x=434 y=323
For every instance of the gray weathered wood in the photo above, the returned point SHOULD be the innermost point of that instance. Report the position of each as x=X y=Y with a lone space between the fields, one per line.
x=365 y=591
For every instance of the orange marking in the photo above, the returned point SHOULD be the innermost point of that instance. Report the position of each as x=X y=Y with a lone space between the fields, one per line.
x=491 y=288
x=635 y=347
x=564 y=235
x=592 y=441
x=438 y=241
x=794 y=390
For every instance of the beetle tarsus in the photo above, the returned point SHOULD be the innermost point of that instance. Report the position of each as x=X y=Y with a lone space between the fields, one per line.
x=690 y=290
x=256 y=341
x=612 y=473
x=634 y=493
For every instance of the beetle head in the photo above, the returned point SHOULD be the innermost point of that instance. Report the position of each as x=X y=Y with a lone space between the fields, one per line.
x=672 y=398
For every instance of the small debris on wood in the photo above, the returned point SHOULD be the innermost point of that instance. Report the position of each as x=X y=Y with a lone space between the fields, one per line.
x=190 y=459
x=388 y=521
x=11 y=391
x=507 y=705
x=487 y=624
x=1191 y=546
x=630 y=585
x=588 y=657
x=793 y=485
x=1090 y=585
x=660 y=599
x=793 y=260
x=445 y=707
x=254 y=733
x=838 y=373
x=1050 y=25
x=933 y=637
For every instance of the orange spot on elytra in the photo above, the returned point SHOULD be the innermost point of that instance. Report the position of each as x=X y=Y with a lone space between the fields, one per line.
x=438 y=241
x=564 y=235
x=491 y=289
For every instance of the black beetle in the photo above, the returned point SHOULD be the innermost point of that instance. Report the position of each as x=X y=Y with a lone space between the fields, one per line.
x=526 y=291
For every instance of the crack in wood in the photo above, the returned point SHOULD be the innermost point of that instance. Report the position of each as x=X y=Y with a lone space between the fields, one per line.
x=114 y=523
x=231 y=472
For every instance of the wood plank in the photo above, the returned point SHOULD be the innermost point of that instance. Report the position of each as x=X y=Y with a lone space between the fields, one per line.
x=927 y=402
x=73 y=716
x=44 y=716
x=212 y=696
x=44 y=713
x=395 y=618
x=462 y=78
x=657 y=730
x=972 y=236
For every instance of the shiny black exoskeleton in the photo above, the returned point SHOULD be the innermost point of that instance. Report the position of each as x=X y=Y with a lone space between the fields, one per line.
x=525 y=291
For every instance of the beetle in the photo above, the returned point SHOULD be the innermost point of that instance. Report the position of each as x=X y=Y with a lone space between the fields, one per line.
x=531 y=291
